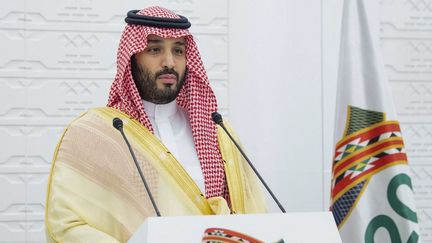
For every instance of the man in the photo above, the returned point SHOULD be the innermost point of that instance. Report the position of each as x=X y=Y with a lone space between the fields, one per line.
x=162 y=94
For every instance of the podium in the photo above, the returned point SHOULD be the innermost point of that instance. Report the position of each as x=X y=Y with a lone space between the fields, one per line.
x=291 y=227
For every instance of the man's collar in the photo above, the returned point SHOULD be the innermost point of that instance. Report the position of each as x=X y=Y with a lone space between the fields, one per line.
x=160 y=111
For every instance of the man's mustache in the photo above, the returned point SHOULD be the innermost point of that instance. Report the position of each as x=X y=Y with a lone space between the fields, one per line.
x=167 y=71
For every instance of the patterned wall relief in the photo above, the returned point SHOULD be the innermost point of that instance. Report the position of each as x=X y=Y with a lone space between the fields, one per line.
x=413 y=99
x=422 y=183
x=418 y=142
x=58 y=59
x=406 y=28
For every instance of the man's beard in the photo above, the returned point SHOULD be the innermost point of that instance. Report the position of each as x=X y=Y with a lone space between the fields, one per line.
x=147 y=87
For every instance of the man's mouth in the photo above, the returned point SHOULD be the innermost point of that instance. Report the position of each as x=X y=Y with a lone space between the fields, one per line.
x=168 y=78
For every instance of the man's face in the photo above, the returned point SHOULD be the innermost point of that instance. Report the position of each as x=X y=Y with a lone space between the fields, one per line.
x=159 y=70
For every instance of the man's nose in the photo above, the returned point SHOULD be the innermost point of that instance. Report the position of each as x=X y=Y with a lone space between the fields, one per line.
x=168 y=60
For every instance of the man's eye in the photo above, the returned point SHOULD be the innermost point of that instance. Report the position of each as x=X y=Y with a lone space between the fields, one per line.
x=179 y=51
x=153 y=50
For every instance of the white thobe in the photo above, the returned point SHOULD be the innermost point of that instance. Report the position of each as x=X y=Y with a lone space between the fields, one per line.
x=171 y=125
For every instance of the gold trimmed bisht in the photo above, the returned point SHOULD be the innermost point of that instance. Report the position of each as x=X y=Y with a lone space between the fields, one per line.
x=95 y=193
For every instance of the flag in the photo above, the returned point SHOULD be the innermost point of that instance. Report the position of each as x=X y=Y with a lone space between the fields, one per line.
x=371 y=192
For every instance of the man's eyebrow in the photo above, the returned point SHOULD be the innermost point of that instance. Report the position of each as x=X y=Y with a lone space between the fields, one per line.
x=156 y=41
x=180 y=43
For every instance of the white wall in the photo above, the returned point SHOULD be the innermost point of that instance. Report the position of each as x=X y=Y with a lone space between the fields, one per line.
x=276 y=94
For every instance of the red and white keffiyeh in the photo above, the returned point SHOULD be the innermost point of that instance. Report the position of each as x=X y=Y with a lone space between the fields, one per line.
x=196 y=95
